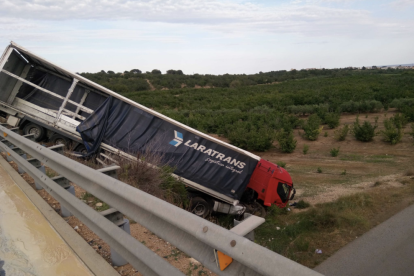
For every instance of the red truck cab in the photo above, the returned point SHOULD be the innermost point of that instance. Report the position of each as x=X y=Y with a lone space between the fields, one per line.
x=272 y=184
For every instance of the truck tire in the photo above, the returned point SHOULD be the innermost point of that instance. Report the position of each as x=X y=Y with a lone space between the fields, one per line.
x=81 y=149
x=255 y=208
x=38 y=131
x=200 y=207
x=58 y=139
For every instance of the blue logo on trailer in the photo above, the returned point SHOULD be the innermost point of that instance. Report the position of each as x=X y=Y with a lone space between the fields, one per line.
x=178 y=139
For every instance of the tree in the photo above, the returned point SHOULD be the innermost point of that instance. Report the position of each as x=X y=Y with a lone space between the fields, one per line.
x=175 y=72
x=287 y=142
x=364 y=132
x=156 y=72
x=136 y=71
x=311 y=127
x=111 y=72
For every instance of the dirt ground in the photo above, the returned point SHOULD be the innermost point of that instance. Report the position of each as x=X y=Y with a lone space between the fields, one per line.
x=356 y=168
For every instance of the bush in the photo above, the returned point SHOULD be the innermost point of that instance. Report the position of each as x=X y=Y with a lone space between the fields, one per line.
x=399 y=120
x=392 y=133
x=286 y=140
x=319 y=170
x=281 y=164
x=340 y=134
x=364 y=132
x=305 y=149
x=332 y=119
x=302 y=204
x=311 y=127
x=334 y=152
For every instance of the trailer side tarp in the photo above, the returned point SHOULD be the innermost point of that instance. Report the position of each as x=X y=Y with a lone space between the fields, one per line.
x=135 y=131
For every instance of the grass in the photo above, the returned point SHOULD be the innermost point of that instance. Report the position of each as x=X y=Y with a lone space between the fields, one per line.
x=329 y=226
x=51 y=173
x=91 y=200
x=302 y=204
x=298 y=229
x=378 y=158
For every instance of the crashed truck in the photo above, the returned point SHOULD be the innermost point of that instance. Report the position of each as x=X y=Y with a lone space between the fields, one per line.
x=61 y=107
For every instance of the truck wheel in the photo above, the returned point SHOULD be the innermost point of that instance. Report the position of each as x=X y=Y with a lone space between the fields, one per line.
x=38 y=131
x=256 y=209
x=200 y=207
x=58 y=139
x=82 y=149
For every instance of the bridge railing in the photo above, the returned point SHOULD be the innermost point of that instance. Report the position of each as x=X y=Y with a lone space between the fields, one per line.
x=192 y=235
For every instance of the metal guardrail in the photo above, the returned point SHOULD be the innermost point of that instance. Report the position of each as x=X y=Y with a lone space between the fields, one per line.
x=192 y=235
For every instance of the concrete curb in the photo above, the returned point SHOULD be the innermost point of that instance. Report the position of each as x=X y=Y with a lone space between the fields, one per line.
x=96 y=264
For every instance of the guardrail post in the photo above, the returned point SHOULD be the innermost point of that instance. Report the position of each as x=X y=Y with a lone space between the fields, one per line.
x=9 y=159
x=64 y=183
x=65 y=212
x=43 y=170
x=118 y=219
x=19 y=168
x=117 y=259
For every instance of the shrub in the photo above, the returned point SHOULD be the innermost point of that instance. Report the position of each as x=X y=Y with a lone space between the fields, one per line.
x=311 y=127
x=281 y=164
x=326 y=134
x=302 y=204
x=343 y=173
x=392 y=133
x=364 y=132
x=340 y=134
x=399 y=120
x=151 y=173
x=334 y=152
x=286 y=140
x=319 y=170
x=332 y=119
x=305 y=149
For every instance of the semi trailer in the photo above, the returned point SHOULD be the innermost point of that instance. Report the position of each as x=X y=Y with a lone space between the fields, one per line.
x=55 y=104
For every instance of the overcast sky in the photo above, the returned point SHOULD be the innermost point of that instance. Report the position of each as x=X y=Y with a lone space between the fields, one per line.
x=211 y=36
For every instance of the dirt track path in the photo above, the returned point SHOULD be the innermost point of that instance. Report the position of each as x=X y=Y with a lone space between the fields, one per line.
x=152 y=88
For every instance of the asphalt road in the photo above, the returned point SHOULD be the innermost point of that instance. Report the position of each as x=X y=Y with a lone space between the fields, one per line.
x=386 y=250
